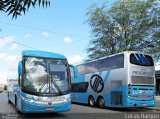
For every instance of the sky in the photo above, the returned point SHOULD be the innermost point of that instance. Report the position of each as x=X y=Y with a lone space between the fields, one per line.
x=61 y=28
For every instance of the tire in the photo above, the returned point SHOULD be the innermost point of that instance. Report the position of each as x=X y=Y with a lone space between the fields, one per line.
x=101 y=102
x=91 y=101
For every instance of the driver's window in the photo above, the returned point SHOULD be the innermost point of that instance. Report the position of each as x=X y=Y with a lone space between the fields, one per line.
x=58 y=71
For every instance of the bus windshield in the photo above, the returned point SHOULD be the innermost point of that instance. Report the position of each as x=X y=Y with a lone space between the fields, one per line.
x=45 y=76
x=141 y=59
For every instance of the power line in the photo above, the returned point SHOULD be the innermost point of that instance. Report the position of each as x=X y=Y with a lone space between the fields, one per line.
x=40 y=29
x=22 y=45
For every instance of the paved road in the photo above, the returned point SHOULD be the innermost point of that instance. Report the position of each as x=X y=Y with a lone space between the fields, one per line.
x=77 y=110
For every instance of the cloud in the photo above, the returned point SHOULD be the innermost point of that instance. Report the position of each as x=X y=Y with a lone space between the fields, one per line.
x=12 y=61
x=6 y=40
x=45 y=34
x=67 y=39
x=75 y=59
x=3 y=55
x=28 y=35
x=3 y=77
x=7 y=75
x=13 y=47
x=11 y=58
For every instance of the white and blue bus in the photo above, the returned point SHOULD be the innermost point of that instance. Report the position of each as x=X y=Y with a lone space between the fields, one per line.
x=43 y=83
x=123 y=80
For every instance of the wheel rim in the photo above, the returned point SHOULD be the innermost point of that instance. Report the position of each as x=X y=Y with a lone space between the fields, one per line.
x=91 y=101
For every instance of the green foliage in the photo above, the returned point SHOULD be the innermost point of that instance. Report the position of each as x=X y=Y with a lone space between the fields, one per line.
x=17 y=7
x=127 y=25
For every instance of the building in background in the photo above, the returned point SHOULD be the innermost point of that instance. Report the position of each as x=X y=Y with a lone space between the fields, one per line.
x=2 y=87
x=157 y=73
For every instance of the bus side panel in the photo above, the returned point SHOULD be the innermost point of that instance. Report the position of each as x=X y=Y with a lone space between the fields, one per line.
x=78 y=96
x=114 y=81
x=115 y=89
x=12 y=93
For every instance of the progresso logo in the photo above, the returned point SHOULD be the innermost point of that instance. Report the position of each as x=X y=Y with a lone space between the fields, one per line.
x=142 y=73
x=96 y=83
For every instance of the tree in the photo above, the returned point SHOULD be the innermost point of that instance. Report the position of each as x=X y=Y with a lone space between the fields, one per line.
x=127 y=25
x=17 y=7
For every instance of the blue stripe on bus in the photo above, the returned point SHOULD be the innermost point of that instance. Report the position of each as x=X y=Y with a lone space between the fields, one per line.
x=107 y=75
x=100 y=73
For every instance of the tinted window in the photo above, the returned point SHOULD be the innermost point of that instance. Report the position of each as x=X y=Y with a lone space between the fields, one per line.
x=142 y=60
x=116 y=62
x=102 y=64
x=113 y=62
x=90 y=67
x=81 y=69
x=80 y=87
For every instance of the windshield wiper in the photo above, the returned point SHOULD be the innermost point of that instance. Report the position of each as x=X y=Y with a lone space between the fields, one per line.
x=55 y=84
x=44 y=83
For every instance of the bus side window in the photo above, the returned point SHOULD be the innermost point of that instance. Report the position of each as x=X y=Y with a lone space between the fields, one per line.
x=102 y=64
x=90 y=67
x=81 y=69
x=80 y=87
x=116 y=62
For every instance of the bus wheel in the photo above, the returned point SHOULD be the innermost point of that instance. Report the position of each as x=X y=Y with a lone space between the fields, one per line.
x=91 y=101
x=101 y=102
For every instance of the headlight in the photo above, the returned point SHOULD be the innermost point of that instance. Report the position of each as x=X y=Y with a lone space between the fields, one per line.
x=27 y=100
x=67 y=99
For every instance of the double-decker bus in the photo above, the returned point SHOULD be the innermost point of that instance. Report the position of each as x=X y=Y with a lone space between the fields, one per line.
x=43 y=83
x=122 y=80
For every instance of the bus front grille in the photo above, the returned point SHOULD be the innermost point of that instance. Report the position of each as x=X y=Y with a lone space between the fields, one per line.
x=142 y=80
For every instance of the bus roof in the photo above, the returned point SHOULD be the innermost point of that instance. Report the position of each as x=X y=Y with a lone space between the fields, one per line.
x=81 y=63
x=38 y=53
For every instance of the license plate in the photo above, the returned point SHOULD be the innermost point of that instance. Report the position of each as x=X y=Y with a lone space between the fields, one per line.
x=49 y=109
x=143 y=104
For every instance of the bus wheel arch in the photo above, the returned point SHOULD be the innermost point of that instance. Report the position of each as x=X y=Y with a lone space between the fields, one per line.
x=100 y=101
x=15 y=101
x=91 y=101
x=16 y=106
x=8 y=99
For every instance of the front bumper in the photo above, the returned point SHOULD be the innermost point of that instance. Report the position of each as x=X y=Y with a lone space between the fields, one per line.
x=27 y=107
x=138 y=103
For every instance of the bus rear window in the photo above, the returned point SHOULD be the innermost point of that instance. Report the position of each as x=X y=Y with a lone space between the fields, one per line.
x=141 y=59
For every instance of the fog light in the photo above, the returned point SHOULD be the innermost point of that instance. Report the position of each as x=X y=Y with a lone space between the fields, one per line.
x=25 y=107
x=135 y=105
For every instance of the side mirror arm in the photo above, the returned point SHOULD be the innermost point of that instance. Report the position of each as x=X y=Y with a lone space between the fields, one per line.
x=75 y=71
